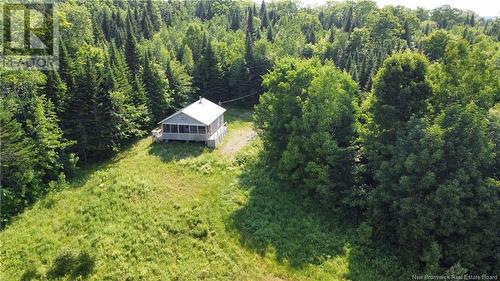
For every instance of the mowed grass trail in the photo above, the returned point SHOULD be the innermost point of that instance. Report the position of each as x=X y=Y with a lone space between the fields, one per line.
x=180 y=211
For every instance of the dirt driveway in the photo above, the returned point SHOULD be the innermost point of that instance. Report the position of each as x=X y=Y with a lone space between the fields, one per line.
x=237 y=140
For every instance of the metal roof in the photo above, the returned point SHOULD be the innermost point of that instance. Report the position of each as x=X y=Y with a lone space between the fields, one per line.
x=202 y=110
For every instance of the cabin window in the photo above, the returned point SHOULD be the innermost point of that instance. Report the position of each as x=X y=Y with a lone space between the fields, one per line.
x=174 y=129
x=193 y=129
x=184 y=129
x=202 y=130
x=166 y=128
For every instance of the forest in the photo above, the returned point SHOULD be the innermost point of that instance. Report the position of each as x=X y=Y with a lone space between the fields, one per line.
x=389 y=116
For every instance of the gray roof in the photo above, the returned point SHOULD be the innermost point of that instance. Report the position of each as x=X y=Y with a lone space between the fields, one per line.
x=202 y=110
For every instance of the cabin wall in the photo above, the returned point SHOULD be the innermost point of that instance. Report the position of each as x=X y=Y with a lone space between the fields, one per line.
x=181 y=119
x=217 y=137
x=216 y=124
x=185 y=137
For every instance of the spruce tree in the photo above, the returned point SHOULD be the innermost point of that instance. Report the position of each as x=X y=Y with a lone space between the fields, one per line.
x=269 y=34
x=248 y=48
x=43 y=127
x=131 y=51
x=121 y=72
x=152 y=15
x=348 y=21
x=187 y=59
x=56 y=91
x=264 y=17
x=157 y=90
x=331 y=37
x=146 y=25
x=19 y=181
x=65 y=66
x=235 y=19
x=250 y=27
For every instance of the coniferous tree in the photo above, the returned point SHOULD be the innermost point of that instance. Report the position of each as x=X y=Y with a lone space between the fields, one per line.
x=157 y=89
x=348 y=21
x=264 y=17
x=200 y=10
x=152 y=15
x=138 y=96
x=65 y=66
x=250 y=27
x=269 y=34
x=248 y=48
x=180 y=83
x=106 y=26
x=120 y=70
x=56 y=91
x=187 y=59
x=331 y=37
x=43 y=127
x=131 y=51
x=406 y=33
x=235 y=19
x=146 y=25
x=19 y=183
x=89 y=115
x=353 y=70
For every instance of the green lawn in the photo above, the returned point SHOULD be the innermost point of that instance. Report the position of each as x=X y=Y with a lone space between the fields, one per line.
x=180 y=211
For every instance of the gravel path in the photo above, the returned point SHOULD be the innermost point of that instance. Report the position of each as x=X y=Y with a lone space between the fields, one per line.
x=237 y=141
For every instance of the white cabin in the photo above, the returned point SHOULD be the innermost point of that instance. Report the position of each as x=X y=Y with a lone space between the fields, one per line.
x=201 y=121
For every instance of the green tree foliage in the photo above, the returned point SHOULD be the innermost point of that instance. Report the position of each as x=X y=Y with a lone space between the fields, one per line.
x=250 y=28
x=19 y=182
x=187 y=59
x=264 y=16
x=42 y=126
x=400 y=91
x=384 y=26
x=88 y=117
x=180 y=83
x=248 y=48
x=467 y=74
x=235 y=19
x=206 y=75
x=56 y=91
x=269 y=34
x=439 y=165
x=319 y=155
x=280 y=104
x=131 y=51
x=347 y=27
x=123 y=66
x=157 y=90
x=421 y=164
x=494 y=130
x=195 y=40
x=435 y=44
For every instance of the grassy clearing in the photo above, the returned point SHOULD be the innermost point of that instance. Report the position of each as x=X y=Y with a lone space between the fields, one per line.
x=182 y=212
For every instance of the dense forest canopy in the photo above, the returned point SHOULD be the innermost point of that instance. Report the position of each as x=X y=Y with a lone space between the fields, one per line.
x=390 y=114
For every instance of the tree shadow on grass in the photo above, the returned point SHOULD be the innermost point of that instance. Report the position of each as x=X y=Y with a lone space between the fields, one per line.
x=86 y=170
x=280 y=221
x=176 y=150
x=238 y=113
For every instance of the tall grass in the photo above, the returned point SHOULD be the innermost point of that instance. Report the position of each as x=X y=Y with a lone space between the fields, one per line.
x=180 y=211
